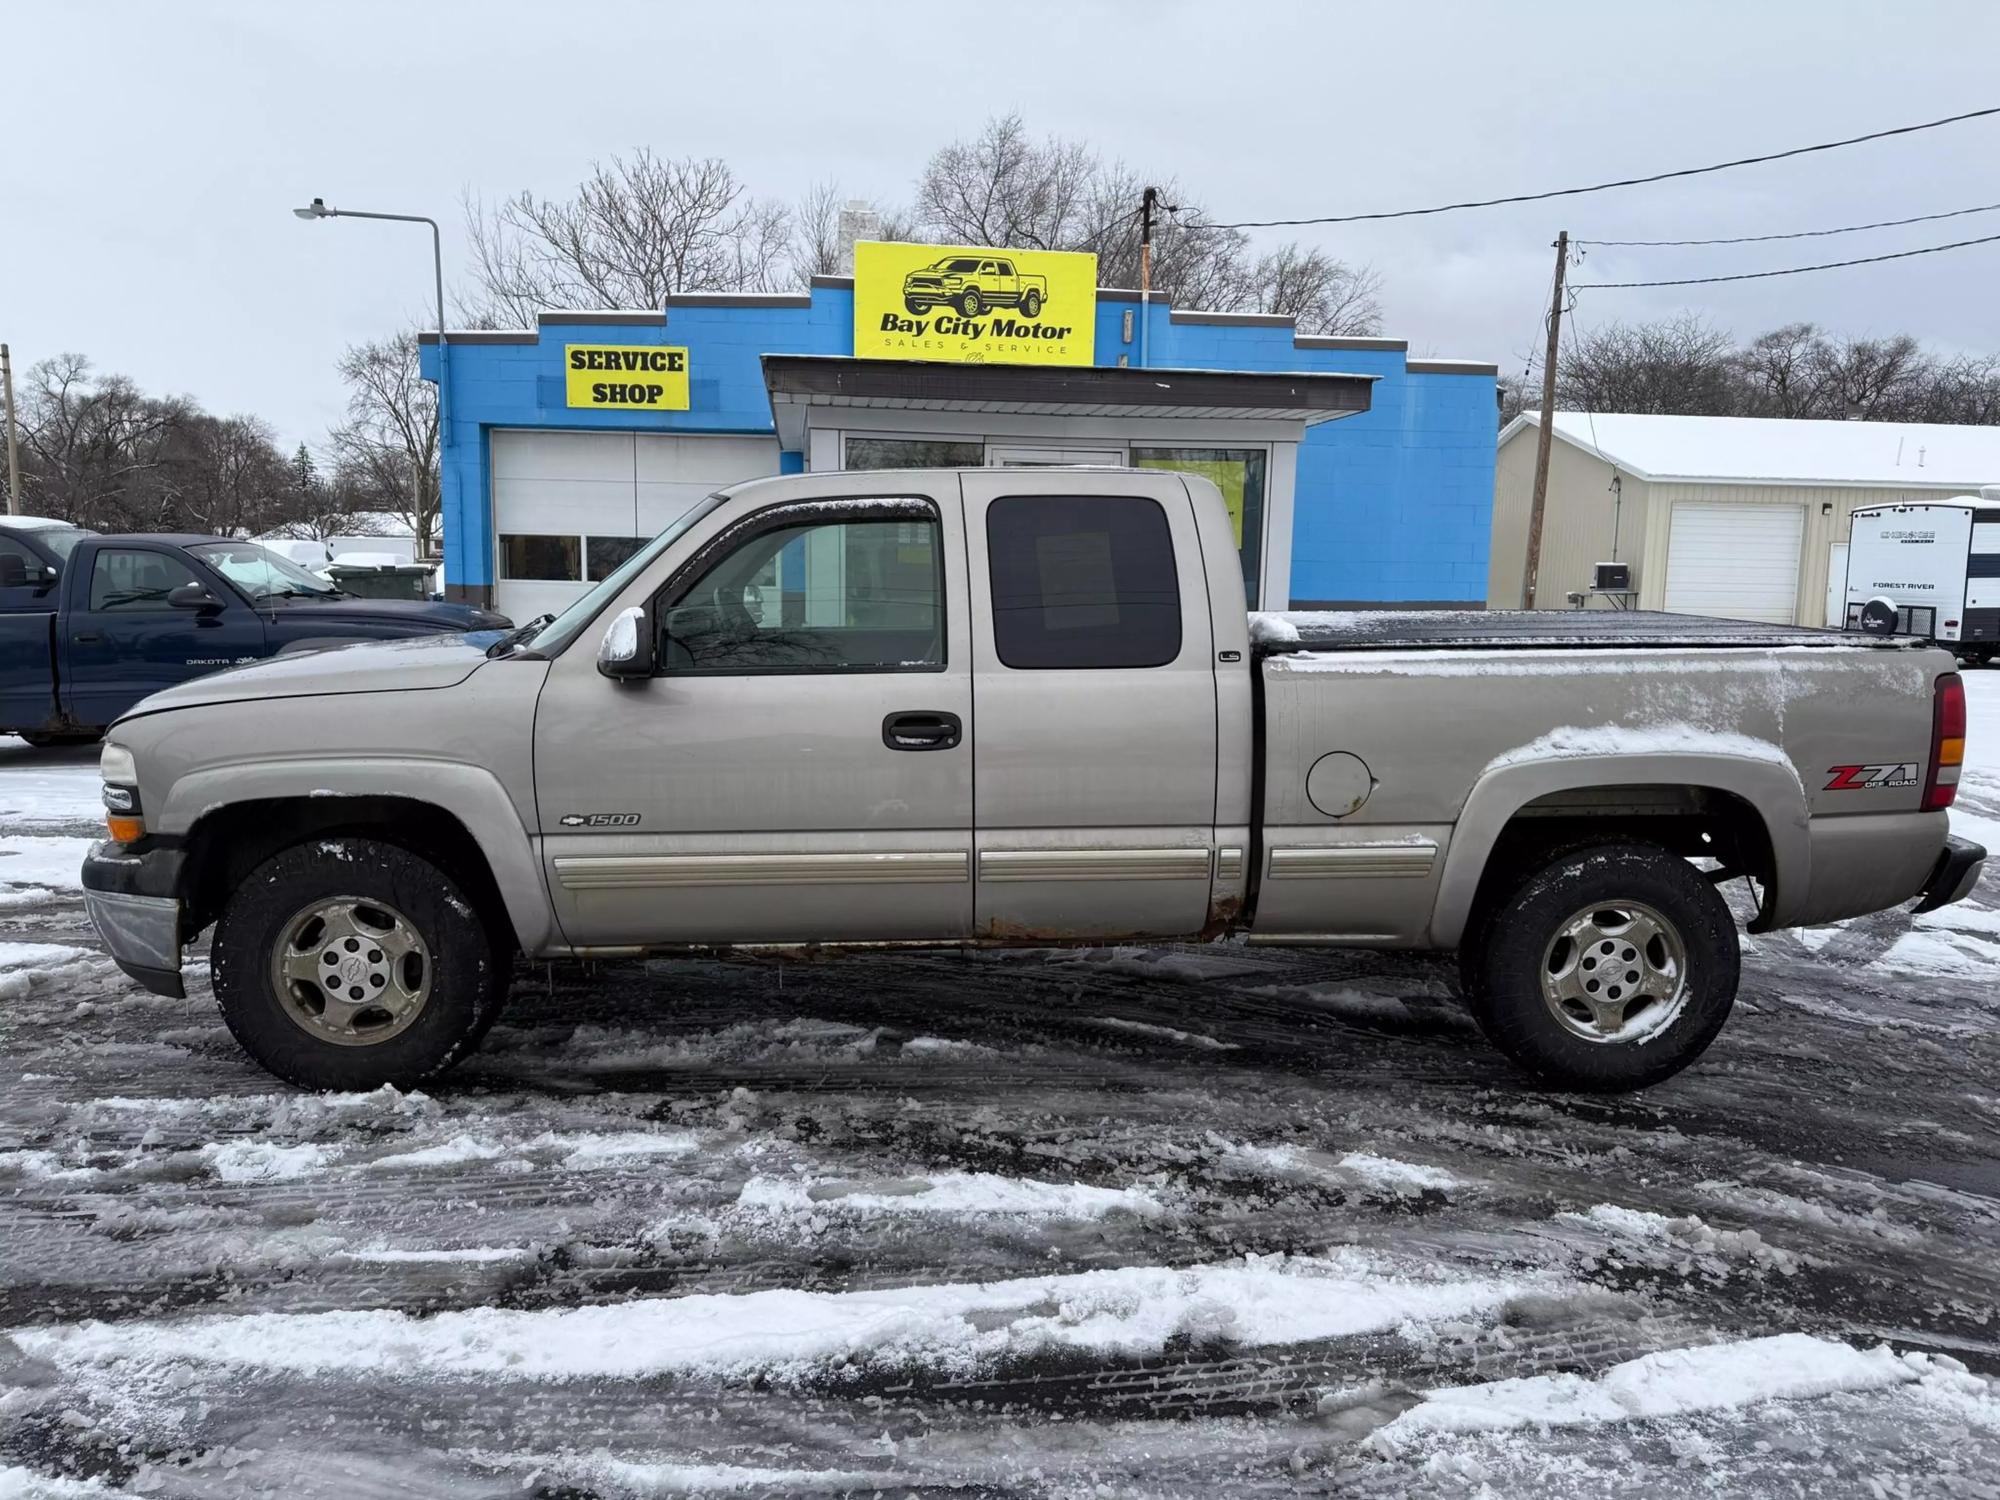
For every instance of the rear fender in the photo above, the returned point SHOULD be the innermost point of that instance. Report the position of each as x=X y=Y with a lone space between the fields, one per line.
x=1771 y=787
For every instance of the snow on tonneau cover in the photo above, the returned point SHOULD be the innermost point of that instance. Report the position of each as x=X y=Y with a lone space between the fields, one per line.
x=1494 y=629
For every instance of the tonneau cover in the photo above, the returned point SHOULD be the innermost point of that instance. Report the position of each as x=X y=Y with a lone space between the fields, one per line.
x=1491 y=629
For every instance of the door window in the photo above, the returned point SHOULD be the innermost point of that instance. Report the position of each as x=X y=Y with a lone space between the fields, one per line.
x=1082 y=581
x=802 y=594
x=135 y=581
x=31 y=566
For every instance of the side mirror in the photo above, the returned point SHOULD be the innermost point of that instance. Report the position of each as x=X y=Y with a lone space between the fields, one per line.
x=626 y=653
x=194 y=596
x=13 y=572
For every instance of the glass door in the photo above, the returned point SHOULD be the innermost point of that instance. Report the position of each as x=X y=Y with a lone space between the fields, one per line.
x=1010 y=456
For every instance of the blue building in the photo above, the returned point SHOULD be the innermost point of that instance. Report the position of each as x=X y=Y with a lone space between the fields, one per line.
x=1359 y=476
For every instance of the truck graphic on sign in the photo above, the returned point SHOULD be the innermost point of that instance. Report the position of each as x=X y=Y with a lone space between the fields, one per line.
x=973 y=284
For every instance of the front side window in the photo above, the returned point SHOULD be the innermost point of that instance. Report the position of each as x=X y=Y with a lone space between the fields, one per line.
x=542 y=559
x=135 y=582
x=1082 y=581
x=814 y=595
x=261 y=573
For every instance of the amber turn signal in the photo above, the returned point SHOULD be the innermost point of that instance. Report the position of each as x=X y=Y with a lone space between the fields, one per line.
x=125 y=830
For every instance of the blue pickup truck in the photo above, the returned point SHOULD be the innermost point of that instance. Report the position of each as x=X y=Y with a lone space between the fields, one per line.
x=91 y=624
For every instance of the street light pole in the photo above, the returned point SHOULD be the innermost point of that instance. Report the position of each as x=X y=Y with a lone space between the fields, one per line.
x=13 y=448
x=317 y=209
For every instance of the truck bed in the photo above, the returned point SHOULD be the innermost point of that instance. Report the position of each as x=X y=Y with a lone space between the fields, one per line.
x=1274 y=634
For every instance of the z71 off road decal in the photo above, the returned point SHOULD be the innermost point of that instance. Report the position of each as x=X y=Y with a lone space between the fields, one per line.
x=1874 y=778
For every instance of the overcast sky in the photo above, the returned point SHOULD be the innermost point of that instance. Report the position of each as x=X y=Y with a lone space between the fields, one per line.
x=156 y=149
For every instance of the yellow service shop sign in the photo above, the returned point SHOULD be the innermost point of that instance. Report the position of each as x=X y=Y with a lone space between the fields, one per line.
x=974 y=306
x=626 y=377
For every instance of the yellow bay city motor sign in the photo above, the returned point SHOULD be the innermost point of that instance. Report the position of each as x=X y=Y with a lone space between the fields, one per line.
x=626 y=377
x=974 y=306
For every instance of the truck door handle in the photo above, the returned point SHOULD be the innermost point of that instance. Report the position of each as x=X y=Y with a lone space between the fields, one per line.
x=922 y=731
x=87 y=638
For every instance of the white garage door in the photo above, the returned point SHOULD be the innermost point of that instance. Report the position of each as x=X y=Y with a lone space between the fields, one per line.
x=1737 y=561
x=568 y=507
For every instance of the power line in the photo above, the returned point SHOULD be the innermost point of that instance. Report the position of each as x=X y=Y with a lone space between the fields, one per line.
x=1831 y=265
x=1600 y=187
x=1806 y=234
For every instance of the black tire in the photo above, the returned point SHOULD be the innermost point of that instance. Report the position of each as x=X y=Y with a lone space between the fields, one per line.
x=969 y=304
x=1031 y=304
x=40 y=739
x=1508 y=952
x=467 y=966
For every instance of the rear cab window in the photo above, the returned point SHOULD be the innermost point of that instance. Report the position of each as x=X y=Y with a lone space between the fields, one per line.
x=1082 y=582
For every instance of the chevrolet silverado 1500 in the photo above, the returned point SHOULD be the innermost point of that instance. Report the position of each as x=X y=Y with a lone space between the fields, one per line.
x=1023 y=707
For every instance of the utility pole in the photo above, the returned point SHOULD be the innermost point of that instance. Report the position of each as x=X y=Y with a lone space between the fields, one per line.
x=1547 y=434
x=1148 y=201
x=13 y=444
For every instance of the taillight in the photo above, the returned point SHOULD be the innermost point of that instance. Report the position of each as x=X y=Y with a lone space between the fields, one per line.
x=1947 y=742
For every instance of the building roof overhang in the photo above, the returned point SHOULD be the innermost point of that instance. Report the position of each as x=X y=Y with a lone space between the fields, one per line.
x=798 y=383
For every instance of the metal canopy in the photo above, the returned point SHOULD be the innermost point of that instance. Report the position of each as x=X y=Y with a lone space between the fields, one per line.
x=797 y=382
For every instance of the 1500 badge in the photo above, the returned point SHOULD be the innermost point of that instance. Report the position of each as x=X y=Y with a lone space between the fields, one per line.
x=1873 y=778
x=600 y=820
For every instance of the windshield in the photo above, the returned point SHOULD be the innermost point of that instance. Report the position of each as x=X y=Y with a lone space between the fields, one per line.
x=563 y=629
x=261 y=573
x=60 y=540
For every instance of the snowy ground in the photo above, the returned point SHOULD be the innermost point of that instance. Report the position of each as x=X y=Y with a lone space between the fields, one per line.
x=1187 y=1223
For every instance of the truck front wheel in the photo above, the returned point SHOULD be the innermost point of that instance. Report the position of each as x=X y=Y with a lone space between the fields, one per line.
x=1609 y=968
x=346 y=963
x=969 y=304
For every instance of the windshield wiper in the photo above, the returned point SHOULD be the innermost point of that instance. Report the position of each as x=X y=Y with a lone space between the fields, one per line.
x=518 y=634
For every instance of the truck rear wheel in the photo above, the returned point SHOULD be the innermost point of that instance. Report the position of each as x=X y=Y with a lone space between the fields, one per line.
x=346 y=963
x=1031 y=304
x=1609 y=968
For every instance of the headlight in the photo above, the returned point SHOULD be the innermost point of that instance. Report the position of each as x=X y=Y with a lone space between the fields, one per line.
x=117 y=765
x=122 y=814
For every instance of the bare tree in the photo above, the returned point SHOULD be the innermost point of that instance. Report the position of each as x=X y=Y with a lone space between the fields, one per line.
x=1322 y=294
x=637 y=230
x=1684 y=365
x=1007 y=188
x=386 y=452
x=1679 y=365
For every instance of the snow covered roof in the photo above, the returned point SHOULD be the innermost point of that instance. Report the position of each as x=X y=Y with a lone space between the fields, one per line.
x=1775 y=450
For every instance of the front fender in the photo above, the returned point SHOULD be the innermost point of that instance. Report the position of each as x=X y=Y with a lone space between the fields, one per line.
x=471 y=794
x=1768 y=784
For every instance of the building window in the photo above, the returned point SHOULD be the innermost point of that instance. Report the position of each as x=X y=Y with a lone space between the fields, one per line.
x=542 y=559
x=913 y=453
x=1082 y=581
x=1239 y=474
x=606 y=554
x=865 y=595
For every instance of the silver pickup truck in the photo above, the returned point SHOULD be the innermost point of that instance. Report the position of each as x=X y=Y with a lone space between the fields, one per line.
x=1004 y=706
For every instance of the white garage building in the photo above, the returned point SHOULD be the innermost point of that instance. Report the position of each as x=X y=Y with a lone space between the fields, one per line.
x=1745 y=517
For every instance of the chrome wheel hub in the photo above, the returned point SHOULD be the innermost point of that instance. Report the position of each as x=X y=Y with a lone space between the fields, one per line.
x=1615 y=972
x=351 y=971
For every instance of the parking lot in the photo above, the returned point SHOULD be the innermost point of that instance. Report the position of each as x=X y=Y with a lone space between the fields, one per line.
x=1191 y=1221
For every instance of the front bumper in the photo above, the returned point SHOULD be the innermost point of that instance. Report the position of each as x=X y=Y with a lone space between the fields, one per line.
x=1954 y=876
x=130 y=897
